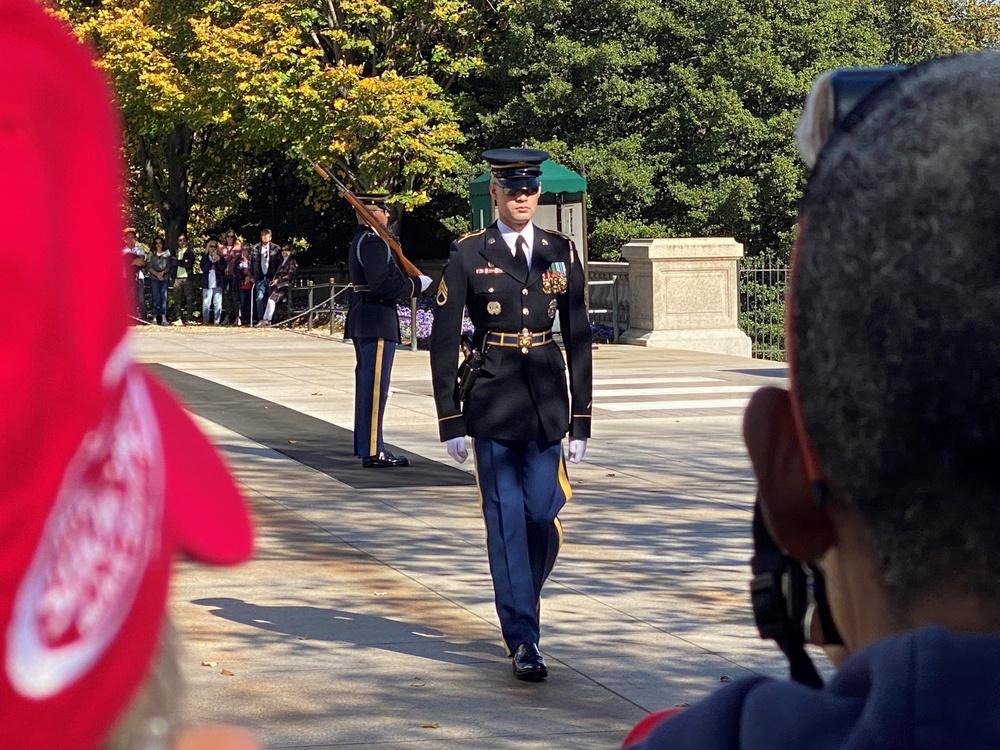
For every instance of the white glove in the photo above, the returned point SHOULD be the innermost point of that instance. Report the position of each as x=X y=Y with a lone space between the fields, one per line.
x=577 y=447
x=425 y=281
x=456 y=449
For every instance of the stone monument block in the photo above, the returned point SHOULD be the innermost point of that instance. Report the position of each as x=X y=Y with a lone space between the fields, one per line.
x=684 y=294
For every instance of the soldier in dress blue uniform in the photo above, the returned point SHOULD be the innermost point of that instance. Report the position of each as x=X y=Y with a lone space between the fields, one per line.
x=373 y=324
x=515 y=277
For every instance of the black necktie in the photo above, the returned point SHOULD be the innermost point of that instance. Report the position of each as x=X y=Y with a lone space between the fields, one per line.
x=520 y=260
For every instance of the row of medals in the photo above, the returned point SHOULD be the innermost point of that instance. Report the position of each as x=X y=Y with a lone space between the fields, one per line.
x=552 y=283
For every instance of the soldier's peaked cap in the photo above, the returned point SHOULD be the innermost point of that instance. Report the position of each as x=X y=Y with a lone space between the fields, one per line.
x=515 y=167
x=377 y=200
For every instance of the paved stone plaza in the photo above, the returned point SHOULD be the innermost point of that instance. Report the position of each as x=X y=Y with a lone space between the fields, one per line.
x=366 y=618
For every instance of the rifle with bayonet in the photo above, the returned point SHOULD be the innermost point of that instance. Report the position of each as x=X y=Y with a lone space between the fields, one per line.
x=405 y=265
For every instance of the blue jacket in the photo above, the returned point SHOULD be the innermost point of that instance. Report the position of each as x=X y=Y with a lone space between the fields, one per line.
x=929 y=689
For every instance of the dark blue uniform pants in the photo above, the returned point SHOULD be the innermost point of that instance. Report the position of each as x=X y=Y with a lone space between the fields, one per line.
x=371 y=387
x=522 y=487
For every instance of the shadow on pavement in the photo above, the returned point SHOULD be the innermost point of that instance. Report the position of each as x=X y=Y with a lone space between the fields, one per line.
x=308 y=440
x=348 y=628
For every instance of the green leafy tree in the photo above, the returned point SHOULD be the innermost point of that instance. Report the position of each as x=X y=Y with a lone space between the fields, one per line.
x=916 y=30
x=680 y=112
x=735 y=98
x=577 y=77
x=378 y=141
x=205 y=86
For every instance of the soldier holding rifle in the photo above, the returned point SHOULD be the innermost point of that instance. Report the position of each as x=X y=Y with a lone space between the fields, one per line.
x=373 y=324
x=381 y=276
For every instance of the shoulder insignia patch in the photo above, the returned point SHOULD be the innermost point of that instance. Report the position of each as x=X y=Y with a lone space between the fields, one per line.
x=467 y=235
x=557 y=234
x=442 y=293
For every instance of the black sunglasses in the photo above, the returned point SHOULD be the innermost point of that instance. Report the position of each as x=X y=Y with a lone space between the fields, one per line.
x=514 y=192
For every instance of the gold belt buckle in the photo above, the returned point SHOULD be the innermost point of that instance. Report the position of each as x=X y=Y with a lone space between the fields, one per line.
x=524 y=340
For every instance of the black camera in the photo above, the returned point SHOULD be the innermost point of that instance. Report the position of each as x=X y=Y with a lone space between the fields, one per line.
x=788 y=597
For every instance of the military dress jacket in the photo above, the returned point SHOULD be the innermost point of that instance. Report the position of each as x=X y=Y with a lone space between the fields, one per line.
x=378 y=285
x=521 y=392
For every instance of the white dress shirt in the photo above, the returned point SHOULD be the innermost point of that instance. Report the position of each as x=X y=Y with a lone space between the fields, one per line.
x=510 y=237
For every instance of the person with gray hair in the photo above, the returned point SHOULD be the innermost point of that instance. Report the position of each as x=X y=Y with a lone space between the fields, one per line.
x=879 y=464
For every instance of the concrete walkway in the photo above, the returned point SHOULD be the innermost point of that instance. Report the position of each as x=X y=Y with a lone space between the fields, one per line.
x=366 y=619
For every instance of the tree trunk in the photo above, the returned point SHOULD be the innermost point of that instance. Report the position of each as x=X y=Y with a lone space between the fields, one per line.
x=174 y=201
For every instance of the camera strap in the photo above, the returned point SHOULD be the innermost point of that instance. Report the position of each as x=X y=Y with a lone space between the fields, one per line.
x=778 y=582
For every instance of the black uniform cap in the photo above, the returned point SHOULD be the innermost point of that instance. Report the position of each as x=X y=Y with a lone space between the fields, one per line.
x=377 y=200
x=516 y=167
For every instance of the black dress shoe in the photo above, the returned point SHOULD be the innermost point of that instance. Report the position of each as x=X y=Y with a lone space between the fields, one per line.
x=384 y=460
x=529 y=664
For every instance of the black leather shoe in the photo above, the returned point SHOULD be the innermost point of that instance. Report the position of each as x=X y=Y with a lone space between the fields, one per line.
x=529 y=664
x=384 y=460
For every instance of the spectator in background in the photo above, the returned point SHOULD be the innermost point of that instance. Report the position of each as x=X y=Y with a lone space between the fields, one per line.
x=280 y=284
x=158 y=266
x=213 y=271
x=230 y=245
x=135 y=259
x=89 y=521
x=230 y=287
x=244 y=281
x=183 y=281
x=265 y=259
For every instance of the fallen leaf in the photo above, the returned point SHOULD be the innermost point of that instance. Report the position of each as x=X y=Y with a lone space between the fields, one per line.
x=226 y=672
x=378 y=593
x=293 y=442
x=303 y=638
x=725 y=678
x=209 y=663
x=430 y=725
x=416 y=684
x=609 y=475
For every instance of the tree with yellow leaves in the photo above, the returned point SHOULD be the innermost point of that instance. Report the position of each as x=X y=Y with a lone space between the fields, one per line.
x=920 y=29
x=205 y=84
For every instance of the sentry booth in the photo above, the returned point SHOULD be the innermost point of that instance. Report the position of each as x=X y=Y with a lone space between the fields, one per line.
x=562 y=205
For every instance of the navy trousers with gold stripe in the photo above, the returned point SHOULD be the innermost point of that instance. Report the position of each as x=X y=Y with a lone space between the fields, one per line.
x=371 y=387
x=522 y=487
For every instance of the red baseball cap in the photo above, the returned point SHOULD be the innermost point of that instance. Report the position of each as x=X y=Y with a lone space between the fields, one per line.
x=104 y=477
